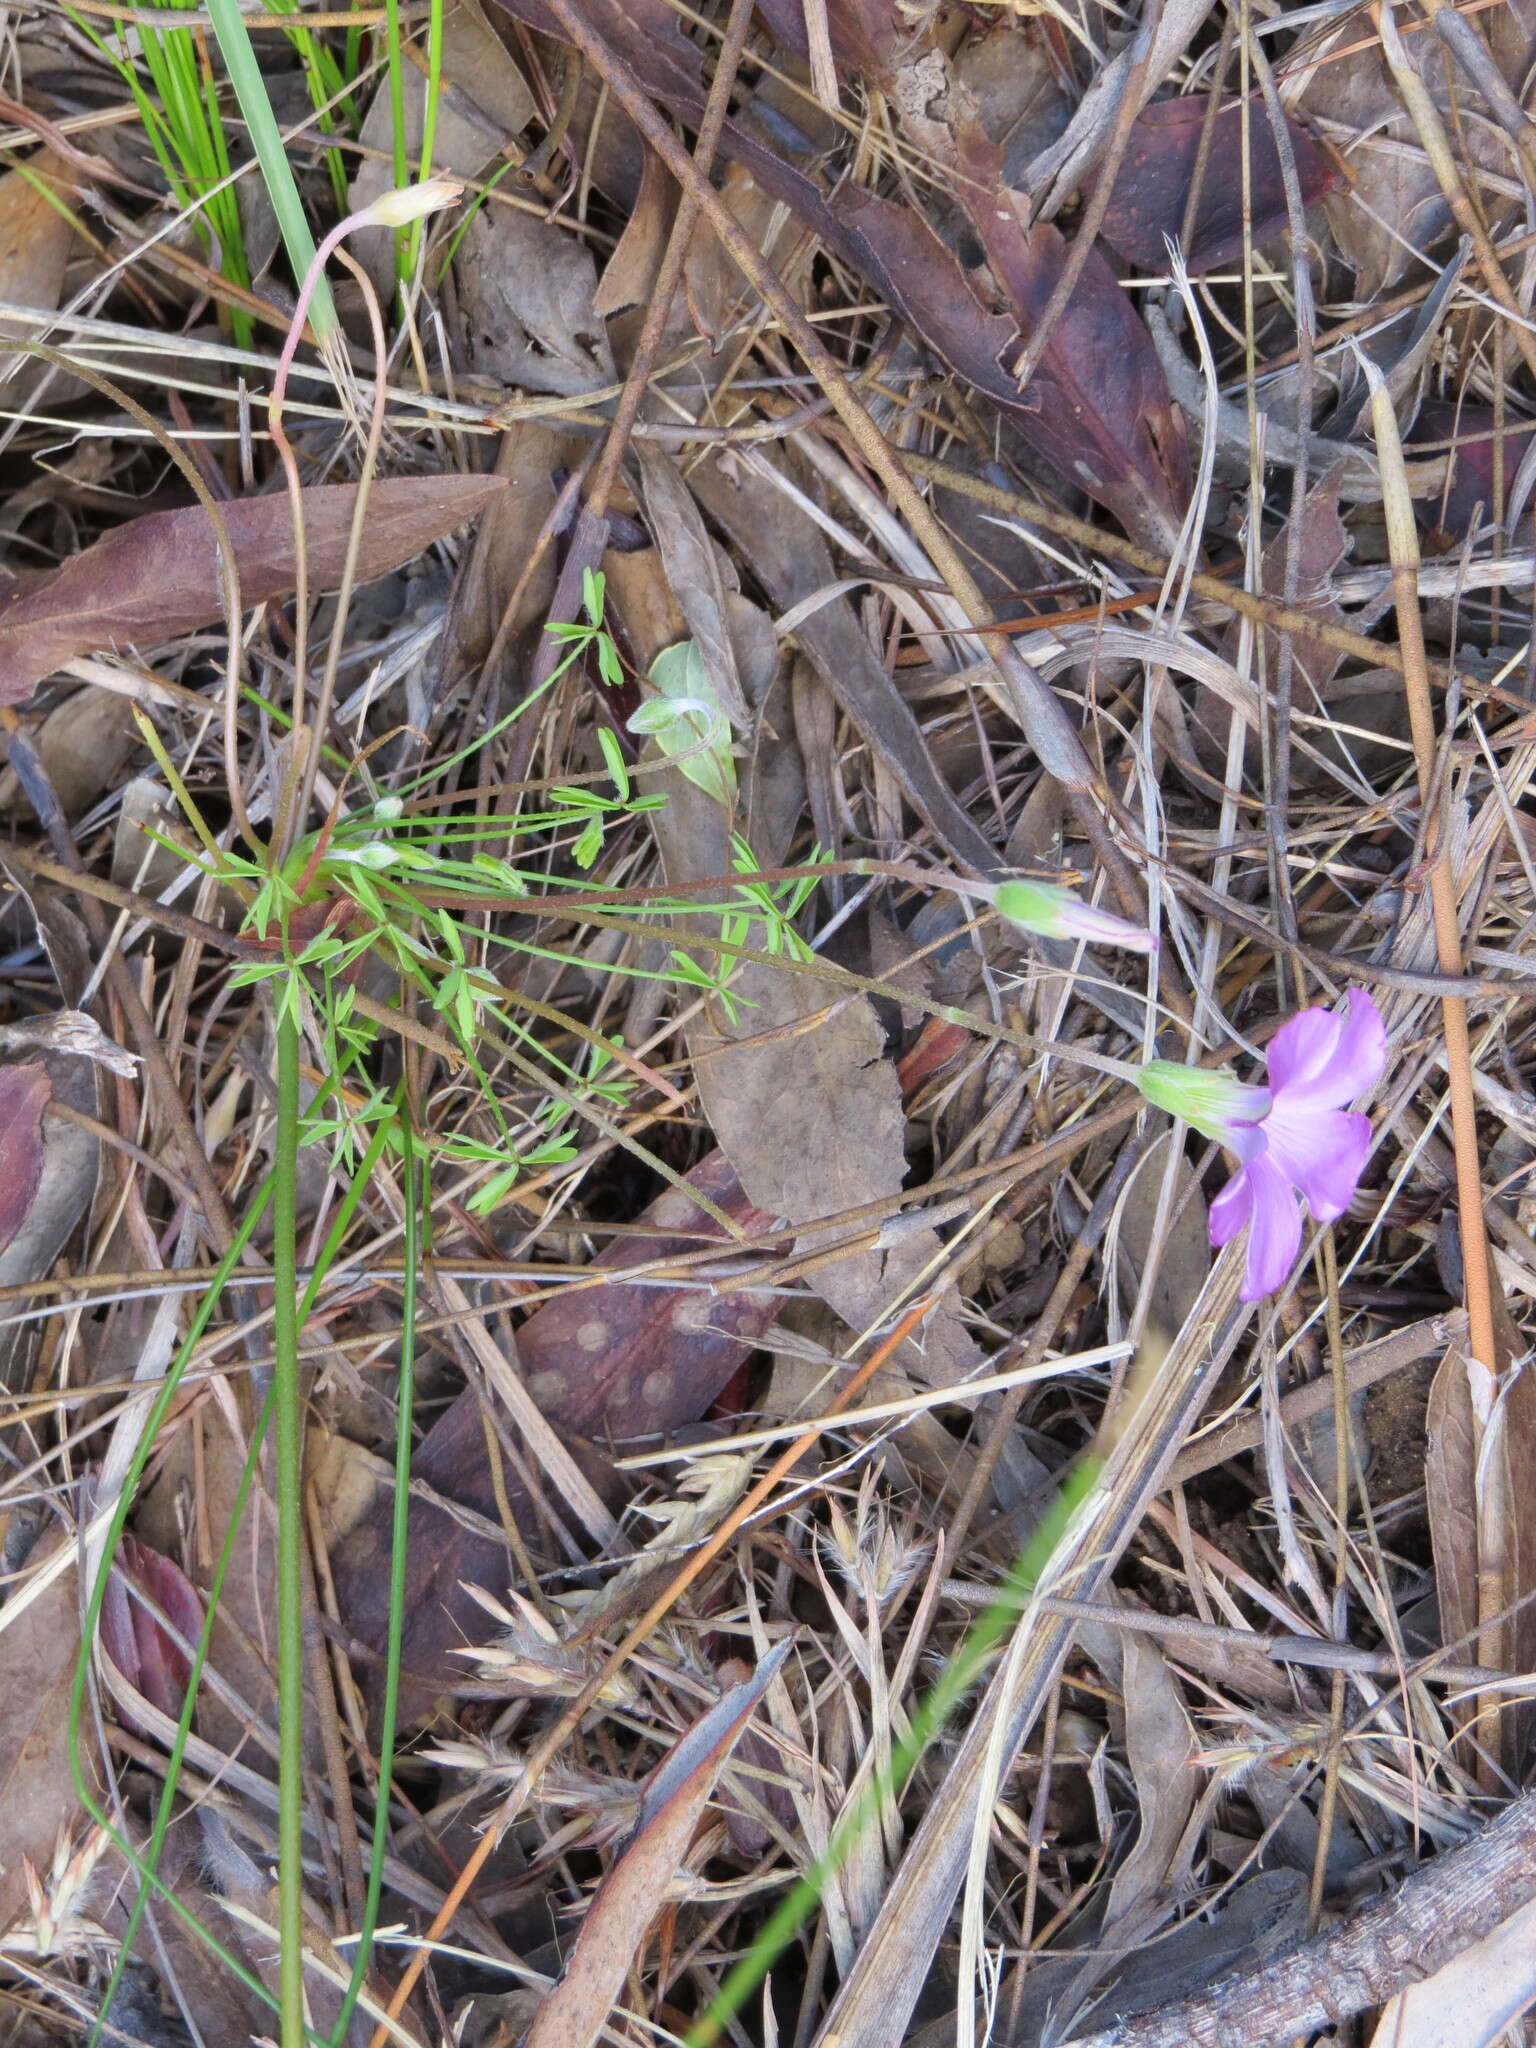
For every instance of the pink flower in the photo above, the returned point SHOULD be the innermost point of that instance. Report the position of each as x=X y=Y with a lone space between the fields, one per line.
x=1294 y=1139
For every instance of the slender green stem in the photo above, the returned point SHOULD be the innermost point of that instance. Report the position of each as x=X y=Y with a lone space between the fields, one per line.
x=415 y=1209
x=289 y=1434
x=234 y=40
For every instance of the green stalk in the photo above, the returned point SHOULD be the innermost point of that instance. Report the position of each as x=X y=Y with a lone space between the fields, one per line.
x=288 y=1401
x=414 y=1210
x=234 y=40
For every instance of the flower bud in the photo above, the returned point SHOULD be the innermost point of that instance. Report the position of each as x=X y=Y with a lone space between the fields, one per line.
x=1056 y=913
x=1213 y=1103
x=397 y=209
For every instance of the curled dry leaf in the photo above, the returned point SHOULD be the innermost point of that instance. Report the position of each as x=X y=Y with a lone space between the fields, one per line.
x=629 y=1897
x=145 y=1651
x=155 y=577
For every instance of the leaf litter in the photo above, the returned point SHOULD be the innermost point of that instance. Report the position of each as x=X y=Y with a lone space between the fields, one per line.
x=669 y=1081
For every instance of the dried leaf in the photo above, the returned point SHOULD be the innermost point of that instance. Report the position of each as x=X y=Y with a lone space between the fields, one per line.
x=629 y=275
x=71 y=1156
x=1394 y=205
x=25 y=1092
x=38 y=1648
x=808 y=1109
x=629 y=1897
x=1160 y=1748
x=1449 y=1470
x=155 y=577
x=693 y=573
x=1184 y=1250
x=83 y=744
x=526 y=292
x=1151 y=192
x=36 y=237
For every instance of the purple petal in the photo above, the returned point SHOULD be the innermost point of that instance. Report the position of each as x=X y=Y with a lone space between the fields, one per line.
x=1302 y=1050
x=1231 y=1209
x=1274 y=1235
x=1326 y=1059
x=1322 y=1151
x=1362 y=1050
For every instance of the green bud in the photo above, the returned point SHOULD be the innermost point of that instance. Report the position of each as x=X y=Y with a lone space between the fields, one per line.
x=1212 y=1103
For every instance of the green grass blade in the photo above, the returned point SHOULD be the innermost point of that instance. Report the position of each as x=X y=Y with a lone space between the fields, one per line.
x=234 y=40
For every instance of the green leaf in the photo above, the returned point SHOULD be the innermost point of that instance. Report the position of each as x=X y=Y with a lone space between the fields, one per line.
x=687 y=722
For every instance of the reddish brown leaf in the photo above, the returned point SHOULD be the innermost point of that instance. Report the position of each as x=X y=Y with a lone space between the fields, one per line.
x=1469 y=429
x=155 y=577
x=25 y=1092
x=142 y=1649
x=1152 y=189
x=633 y=1892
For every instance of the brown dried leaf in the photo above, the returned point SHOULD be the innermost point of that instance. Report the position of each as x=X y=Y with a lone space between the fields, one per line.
x=83 y=744
x=1395 y=205
x=1449 y=1475
x=808 y=1109
x=1152 y=189
x=36 y=238
x=526 y=291
x=692 y=566
x=156 y=577
x=37 y=1669
x=1184 y=1256
x=628 y=1899
x=630 y=272
x=25 y=1092
x=71 y=1156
